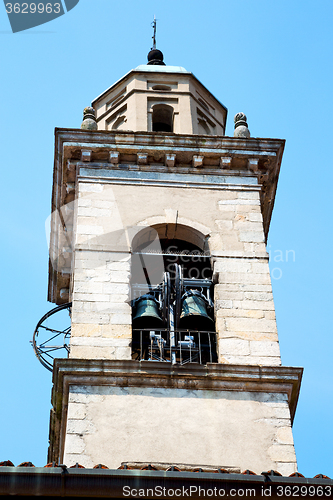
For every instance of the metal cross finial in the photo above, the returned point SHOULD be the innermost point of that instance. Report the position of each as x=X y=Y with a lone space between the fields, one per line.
x=154 y=35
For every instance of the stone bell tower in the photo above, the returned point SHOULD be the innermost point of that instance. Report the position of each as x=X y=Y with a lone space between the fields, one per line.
x=158 y=240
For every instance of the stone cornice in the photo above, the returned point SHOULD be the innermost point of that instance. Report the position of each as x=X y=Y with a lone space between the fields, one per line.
x=111 y=137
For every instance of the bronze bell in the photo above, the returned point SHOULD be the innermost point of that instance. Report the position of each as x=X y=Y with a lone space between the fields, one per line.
x=147 y=313
x=194 y=314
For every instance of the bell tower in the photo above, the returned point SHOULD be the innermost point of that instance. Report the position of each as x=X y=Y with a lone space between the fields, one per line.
x=158 y=232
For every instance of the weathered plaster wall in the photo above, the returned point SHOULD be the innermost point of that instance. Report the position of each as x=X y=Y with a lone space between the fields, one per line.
x=110 y=425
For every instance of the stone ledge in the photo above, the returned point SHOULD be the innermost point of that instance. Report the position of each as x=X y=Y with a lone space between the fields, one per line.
x=213 y=376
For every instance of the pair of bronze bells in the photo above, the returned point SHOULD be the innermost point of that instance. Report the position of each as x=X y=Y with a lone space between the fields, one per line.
x=193 y=316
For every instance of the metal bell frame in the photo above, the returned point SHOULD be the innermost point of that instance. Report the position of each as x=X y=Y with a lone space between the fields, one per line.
x=172 y=343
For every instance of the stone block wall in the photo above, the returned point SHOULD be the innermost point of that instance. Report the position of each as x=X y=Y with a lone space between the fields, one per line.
x=244 y=307
x=101 y=316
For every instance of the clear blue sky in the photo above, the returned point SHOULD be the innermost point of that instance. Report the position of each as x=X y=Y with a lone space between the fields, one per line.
x=271 y=60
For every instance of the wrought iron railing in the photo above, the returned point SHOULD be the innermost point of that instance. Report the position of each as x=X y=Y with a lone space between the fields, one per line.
x=177 y=347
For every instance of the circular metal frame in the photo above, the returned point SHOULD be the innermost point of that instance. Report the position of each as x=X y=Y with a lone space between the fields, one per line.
x=43 y=351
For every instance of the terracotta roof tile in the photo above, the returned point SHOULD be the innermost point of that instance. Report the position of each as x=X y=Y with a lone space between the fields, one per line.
x=272 y=473
x=170 y=468
x=149 y=467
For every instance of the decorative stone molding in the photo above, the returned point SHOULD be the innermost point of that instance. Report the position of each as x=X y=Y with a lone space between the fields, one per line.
x=253 y=164
x=142 y=158
x=197 y=161
x=86 y=155
x=170 y=160
x=114 y=157
x=225 y=162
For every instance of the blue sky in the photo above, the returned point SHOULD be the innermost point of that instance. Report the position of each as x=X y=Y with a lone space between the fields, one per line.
x=271 y=60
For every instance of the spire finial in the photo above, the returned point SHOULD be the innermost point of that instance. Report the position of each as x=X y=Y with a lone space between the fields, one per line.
x=154 y=35
x=155 y=56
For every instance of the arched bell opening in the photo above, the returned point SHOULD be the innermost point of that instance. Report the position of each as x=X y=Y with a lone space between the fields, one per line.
x=151 y=235
x=162 y=118
x=172 y=296
x=155 y=250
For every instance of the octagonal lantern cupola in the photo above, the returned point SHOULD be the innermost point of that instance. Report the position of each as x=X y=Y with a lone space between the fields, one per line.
x=155 y=97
